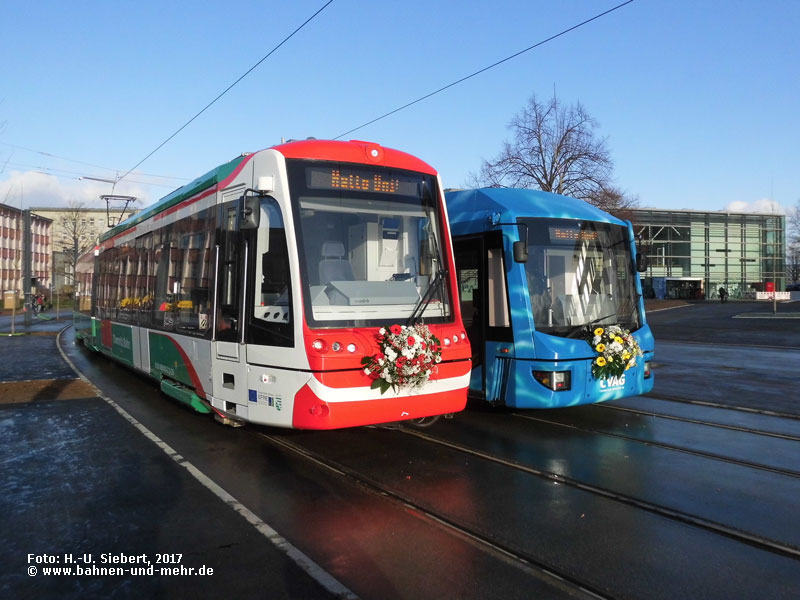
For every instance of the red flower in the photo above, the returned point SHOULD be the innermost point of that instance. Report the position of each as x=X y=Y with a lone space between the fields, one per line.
x=396 y=329
x=411 y=341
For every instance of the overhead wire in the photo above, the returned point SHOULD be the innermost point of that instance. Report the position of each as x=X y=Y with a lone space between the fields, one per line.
x=484 y=69
x=80 y=162
x=226 y=90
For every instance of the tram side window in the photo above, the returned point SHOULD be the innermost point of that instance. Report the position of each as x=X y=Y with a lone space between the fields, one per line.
x=163 y=317
x=180 y=275
x=228 y=270
x=195 y=239
x=143 y=289
x=497 y=293
x=126 y=261
x=271 y=308
x=109 y=284
x=105 y=284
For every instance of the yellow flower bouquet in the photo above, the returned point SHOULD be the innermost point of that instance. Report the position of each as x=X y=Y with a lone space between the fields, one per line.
x=616 y=351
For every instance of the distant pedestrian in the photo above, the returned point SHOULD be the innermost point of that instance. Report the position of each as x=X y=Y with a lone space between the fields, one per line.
x=723 y=295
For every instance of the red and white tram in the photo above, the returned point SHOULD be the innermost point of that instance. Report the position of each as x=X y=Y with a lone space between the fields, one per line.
x=260 y=290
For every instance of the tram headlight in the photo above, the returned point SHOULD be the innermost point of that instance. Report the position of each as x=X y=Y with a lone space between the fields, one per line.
x=351 y=348
x=558 y=381
x=319 y=345
x=336 y=347
x=647 y=372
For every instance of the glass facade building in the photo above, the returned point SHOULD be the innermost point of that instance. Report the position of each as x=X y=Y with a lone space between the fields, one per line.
x=694 y=253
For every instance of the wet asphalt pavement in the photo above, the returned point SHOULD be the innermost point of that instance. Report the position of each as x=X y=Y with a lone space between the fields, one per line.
x=80 y=487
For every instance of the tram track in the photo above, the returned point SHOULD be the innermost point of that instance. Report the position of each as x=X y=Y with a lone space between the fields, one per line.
x=714 y=527
x=564 y=581
x=794 y=438
x=525 y=559
x=744 y=409
x=667 y=340
x=666 y=446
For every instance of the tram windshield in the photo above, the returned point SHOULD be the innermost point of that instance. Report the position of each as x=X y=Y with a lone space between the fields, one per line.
x=580 y=274
x=369 y=240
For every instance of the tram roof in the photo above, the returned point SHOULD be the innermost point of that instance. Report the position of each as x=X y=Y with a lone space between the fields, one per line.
x=355 y=151
x=213 y=177
x=474 y=206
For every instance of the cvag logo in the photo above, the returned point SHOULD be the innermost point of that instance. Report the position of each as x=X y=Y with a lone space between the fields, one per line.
x=612 y=382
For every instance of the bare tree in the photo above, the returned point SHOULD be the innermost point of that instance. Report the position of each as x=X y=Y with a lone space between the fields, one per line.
x=793 y=243
x=793 y=224
x=614 y=201
x=554 y=149
x=72 y=225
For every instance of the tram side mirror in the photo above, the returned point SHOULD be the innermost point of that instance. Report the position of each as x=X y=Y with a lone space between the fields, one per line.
x=641 y=262
x=521 y=252
x=251 y=212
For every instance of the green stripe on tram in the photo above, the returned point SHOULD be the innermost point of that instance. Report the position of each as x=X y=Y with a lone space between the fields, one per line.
x=203 y=182
x=185 y=395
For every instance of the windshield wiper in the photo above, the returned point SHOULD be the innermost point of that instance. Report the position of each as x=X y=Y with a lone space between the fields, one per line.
x=423 y=302
x=590 y=327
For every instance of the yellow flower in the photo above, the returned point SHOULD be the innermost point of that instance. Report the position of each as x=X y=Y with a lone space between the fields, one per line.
x=598 y=331
x=610 y=359
x=619 y=340
x=601 y=362
x=626 y=356
x=600 y=347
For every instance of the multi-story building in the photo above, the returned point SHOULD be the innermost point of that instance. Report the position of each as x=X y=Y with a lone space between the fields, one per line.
x=76 y=230
x=56 y=233
x=694 y=253
x=11 y=240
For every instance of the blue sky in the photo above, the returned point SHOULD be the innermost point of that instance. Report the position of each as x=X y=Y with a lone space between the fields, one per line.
x=698 y=99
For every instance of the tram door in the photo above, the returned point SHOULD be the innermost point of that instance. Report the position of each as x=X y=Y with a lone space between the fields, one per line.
x=480 y=265
x=229 y=369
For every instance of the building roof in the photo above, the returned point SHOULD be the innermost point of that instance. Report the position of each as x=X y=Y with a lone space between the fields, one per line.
x=20 y=211
x=705 y=212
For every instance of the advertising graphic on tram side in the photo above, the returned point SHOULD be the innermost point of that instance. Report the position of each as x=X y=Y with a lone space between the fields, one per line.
x=309 y=285
x=551 y=299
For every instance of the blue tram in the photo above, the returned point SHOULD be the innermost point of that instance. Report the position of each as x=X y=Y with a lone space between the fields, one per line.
x=551 y=299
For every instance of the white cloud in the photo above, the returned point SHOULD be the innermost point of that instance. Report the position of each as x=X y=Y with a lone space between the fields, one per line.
x=34 y=188
x=763 y=206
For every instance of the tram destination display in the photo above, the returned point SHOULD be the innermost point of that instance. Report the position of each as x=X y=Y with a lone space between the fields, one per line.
x=361 y=180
